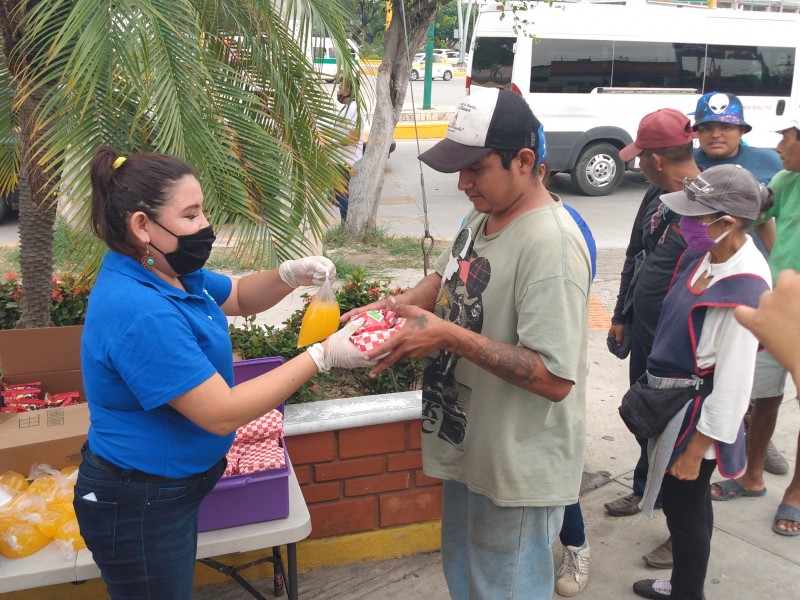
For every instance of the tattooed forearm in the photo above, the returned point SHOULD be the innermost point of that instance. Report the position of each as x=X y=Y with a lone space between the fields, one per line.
x=514 y=364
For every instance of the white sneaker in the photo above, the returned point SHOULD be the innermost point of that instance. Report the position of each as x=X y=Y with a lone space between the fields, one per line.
x=573 y=574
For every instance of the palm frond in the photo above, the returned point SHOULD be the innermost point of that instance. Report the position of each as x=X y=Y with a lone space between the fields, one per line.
x=165 y=75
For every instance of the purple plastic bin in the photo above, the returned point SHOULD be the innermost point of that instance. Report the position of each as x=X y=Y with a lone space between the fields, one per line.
x=255 y=497
x=245 y=370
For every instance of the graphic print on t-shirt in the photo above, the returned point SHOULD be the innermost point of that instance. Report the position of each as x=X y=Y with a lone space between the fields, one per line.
x=445 y=402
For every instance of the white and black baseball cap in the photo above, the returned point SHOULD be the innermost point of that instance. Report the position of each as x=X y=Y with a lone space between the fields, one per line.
x=488 y=119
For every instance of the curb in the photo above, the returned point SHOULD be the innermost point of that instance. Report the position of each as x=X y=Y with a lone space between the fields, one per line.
x=424 y=130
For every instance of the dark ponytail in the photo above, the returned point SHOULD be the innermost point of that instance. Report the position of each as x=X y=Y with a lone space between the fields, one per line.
x=140 y=182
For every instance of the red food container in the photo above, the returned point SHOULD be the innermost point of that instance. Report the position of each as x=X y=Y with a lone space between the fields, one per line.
x=255 y=497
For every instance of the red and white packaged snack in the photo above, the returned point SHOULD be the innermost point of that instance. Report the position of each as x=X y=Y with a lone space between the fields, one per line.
x=261 y=456
x=266 y=427
x=379 y=326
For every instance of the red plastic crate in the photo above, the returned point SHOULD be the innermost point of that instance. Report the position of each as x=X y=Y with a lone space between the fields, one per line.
x=255 y=497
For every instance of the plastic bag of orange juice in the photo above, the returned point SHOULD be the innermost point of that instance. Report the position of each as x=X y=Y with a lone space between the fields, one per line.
x=22 y=539
x=15 y=481
x=321 y=318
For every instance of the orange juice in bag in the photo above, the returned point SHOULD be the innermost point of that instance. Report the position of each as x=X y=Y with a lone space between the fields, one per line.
x=321 y=318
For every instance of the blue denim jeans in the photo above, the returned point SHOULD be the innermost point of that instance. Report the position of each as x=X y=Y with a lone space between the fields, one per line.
x=142 y=535
x=491 y=552
x=636 y=368
x=342 y=197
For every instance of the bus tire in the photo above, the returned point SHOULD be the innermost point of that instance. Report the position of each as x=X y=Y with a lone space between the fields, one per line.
x=599 y=170
x=447 y=76
x=414 y=75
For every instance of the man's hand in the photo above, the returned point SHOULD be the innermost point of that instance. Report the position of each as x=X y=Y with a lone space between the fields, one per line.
x=617 y=332
x=382 y=304
x=422 y=334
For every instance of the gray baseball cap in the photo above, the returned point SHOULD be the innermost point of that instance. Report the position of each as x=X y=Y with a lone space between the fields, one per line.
x=729 y=189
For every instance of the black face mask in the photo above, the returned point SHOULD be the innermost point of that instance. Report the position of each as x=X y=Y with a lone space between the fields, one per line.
x=193 y=250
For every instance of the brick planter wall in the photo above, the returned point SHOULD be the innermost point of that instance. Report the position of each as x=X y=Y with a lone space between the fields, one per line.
x=364 y=478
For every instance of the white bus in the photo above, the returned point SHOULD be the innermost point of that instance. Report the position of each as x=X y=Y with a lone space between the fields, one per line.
x=594 y=70
x=323 y=53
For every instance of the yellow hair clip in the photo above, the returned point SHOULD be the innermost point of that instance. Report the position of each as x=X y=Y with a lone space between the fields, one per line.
x=117 y=163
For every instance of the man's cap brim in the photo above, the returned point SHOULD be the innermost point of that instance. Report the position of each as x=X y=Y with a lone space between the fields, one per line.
x=448 y=156
x=680 y=203
x=630 y=152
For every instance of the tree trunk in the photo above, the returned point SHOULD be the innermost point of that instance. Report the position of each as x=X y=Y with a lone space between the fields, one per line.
x=37 y=211
x=391 y=85
x=36 y=255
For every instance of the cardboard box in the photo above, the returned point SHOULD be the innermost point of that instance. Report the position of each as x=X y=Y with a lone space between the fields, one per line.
x=52 y=435
x=255 y=497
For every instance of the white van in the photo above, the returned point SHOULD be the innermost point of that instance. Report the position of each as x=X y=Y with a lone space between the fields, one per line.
x=323 y=53
x=596 y=69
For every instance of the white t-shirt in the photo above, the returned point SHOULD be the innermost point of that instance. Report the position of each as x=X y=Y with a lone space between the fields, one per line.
x=354 y=152
x=732 y=348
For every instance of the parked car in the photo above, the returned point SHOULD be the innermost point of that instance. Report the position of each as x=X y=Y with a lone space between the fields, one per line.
x=452 y=56
x=441 y=67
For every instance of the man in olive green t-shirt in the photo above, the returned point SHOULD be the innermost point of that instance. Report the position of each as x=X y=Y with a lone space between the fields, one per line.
x=503 y=322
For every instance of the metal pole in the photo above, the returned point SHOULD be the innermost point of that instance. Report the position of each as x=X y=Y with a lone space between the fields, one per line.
x=461 y=40
x=426 y=95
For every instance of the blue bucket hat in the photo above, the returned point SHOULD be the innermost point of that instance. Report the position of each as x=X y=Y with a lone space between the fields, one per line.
x=717 y=107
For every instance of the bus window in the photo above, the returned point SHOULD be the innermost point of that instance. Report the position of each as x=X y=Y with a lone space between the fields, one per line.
x=570 y=66
x=657 y=65
x=493 y=61
x=750 y=70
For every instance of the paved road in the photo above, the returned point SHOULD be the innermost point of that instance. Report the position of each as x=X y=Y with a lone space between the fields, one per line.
x=8 y=229
x=402 y=207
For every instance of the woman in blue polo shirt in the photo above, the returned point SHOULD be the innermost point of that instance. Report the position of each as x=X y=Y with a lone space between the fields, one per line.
x=158 y=371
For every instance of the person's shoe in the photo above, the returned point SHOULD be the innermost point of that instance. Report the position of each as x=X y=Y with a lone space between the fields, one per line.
x=774 y=462
x=573 y=574
x=661 y=557
x=625 y=506
x=655 y=589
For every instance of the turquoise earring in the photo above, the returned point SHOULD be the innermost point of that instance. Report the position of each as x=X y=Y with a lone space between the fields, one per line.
x=147 y=260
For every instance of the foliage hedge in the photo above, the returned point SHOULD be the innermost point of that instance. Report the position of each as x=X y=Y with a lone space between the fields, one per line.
x=251 y=340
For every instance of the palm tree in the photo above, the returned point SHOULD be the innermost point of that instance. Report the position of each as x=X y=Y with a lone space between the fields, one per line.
x=410 y=22
x=225 y=84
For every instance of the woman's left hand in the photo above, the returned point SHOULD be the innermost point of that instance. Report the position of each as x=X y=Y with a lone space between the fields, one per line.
x=686 y=468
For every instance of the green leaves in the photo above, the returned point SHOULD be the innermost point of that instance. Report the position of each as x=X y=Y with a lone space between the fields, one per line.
x=225 y=84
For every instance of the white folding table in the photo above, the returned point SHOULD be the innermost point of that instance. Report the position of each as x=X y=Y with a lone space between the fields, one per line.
x=50 y=566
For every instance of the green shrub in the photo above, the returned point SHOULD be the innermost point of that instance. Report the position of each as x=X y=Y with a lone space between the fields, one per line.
x=251 y=340
x=68 y=300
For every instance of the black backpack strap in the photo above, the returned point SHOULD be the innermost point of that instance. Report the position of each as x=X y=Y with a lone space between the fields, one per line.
x=653 y=238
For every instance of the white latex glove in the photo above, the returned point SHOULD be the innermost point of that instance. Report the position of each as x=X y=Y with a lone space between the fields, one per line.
x=311 y=270
x=339 y=352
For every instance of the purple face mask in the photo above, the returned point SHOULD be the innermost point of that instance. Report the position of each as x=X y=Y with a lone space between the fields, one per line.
x=696 y=234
